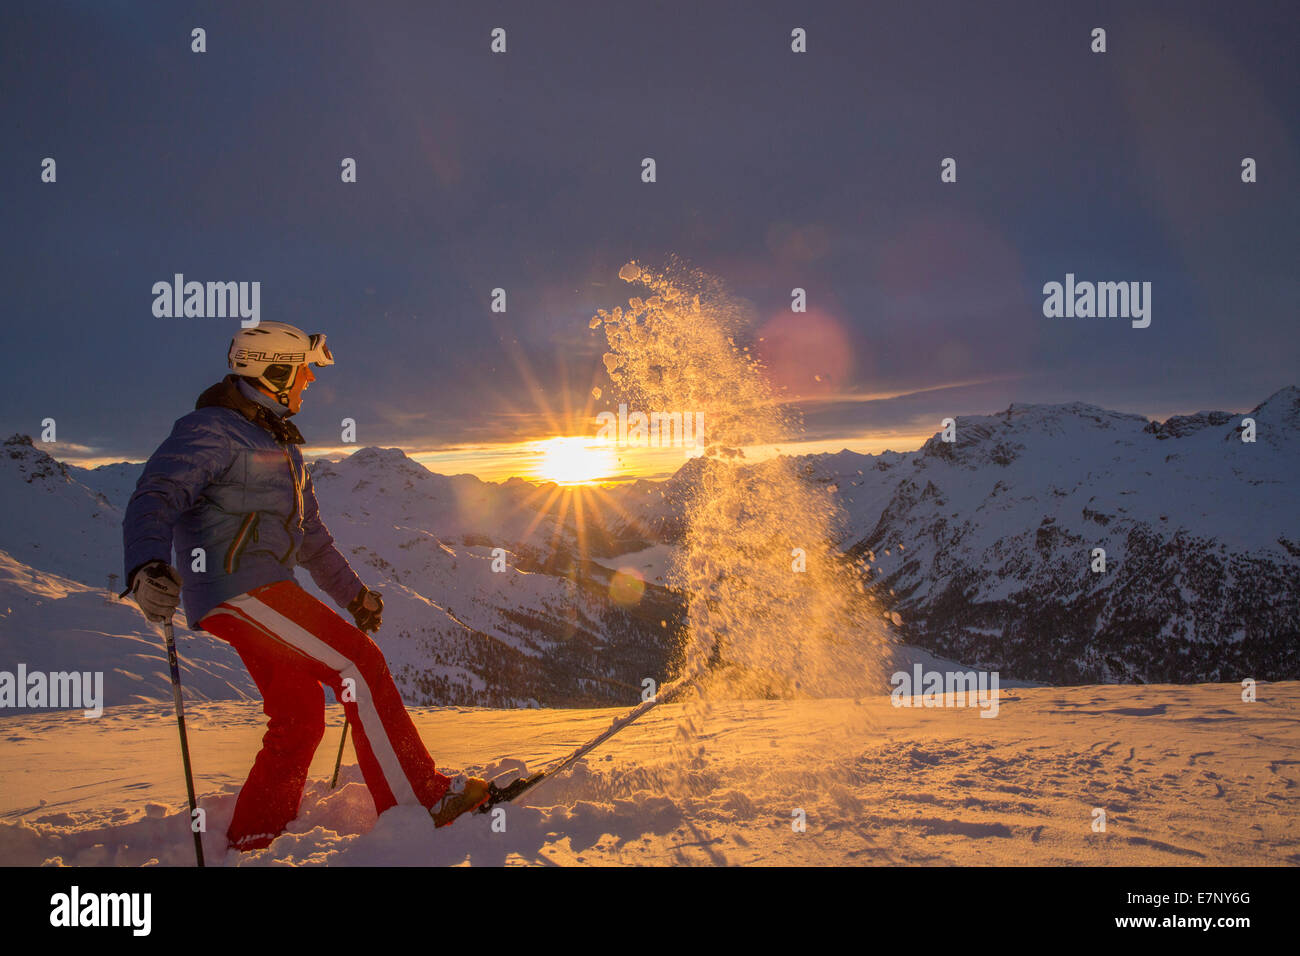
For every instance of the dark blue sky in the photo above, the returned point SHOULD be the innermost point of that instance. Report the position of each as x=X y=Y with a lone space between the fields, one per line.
x=775 y=170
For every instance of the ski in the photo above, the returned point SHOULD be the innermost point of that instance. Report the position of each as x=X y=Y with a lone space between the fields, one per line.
x=514 y=789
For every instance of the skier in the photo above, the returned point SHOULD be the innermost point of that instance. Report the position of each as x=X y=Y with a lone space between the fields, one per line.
x=229 y=489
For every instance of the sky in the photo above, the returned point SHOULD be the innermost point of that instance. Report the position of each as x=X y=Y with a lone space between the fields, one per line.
x=522 y=170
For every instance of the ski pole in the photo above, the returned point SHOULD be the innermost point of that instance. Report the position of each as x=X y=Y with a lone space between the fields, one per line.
x=521 y=785
x=180 y=723
x=339 y=759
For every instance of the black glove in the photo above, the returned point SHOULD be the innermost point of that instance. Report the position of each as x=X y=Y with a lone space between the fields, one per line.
x=367 y=609
x=156 y=589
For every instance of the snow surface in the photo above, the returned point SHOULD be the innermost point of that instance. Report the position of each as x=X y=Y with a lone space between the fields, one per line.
x=1185 y=775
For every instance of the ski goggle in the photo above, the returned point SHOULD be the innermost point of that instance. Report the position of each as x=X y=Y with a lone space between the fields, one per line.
x=318 y=353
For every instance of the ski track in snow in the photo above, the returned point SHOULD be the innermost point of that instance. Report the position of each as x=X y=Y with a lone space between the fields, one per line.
x=1187 y=775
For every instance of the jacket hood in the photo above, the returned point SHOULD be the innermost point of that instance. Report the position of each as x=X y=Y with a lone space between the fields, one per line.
x=226 y=394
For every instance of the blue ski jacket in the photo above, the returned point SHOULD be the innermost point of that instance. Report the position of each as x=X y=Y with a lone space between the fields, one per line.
x=230 y=480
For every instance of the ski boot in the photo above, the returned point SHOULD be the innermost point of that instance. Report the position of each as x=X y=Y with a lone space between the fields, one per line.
x=464 y=794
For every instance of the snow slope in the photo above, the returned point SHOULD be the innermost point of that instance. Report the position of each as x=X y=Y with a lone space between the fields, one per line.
x=52 y=521
x=1185 y=775
x=53 y=624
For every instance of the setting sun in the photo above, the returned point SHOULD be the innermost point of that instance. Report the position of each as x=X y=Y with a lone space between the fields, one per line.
x=575 y=461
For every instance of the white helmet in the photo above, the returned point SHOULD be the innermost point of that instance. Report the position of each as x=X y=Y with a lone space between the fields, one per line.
x=270 y=353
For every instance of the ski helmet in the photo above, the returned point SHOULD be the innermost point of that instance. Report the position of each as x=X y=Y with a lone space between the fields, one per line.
x=269 y=353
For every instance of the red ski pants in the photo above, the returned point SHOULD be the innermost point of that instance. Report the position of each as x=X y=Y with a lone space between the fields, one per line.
x=291 y=644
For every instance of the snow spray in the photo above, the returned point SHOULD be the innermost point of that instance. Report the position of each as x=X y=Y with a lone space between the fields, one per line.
x=774 y=609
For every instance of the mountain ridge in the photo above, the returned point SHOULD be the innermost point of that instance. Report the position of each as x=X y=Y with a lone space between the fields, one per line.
x=981 y=547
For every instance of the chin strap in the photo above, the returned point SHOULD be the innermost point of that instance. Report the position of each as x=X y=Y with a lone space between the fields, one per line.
x=226 y=394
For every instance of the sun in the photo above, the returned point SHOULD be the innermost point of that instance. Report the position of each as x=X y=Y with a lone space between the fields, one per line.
x=575 y=461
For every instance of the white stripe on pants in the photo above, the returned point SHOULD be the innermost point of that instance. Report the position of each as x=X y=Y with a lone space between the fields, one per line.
x=300 y=639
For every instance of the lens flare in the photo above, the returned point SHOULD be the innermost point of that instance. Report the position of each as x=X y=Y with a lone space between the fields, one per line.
x=626 y=587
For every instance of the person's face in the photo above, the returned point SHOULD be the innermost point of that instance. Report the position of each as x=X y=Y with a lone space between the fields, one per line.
x=303 y=378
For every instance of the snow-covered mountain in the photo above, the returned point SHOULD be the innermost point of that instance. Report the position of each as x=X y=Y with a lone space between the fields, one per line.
x=988 y=543
x=541 y=631
x=54 y=522
x=984 y=545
